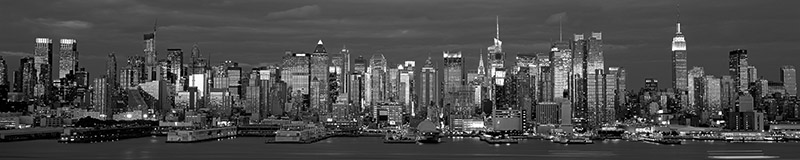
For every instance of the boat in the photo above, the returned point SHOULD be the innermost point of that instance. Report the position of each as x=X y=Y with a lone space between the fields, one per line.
x=663 y=141
x=400 y=138
x=572 y=140
x=200 y=134
x=300 y=134
x=430 y=137
x=90 y=135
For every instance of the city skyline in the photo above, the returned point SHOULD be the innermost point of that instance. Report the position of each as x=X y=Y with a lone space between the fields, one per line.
x=398 y=34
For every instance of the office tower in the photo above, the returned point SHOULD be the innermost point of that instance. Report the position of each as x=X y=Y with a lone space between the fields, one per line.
x=454 y=76
x=377 y=79
x=4 y=84
x=752 y=74
x=358 y=82
x=175 y=72
x=429 y=92
x=111 y=70
x=340 y=70
x=252 y=98
x=712 y=96
x=789 y=79
x=198 y=64
x=393 y=79
x=28 y=76
x=406 y=87
x=68 y=62
x=620 y=94
x=610 y=95
x=595 y=78
x=737 y=68
x=295 y=71
x=100 y=96
x=496 y=58
x=319 y=72
x=547 y=113
x=651 y=84
x=43 y=60
x=132 y=74
x=728 y=92
x=150 y=56
x=578 y=78
x=680 y=79
x=561 y=59
x=696 y=72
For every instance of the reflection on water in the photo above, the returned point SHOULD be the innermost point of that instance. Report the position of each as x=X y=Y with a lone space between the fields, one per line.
x=374 y=148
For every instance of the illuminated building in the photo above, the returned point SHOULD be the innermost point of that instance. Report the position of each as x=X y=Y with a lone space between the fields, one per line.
x=696 y=72
x=737 y=68
x=712 y=96
x=679 y=69
x=28 y=76
x=789 y=79
x=295 y=72
x=496 y=56
x=68 y=62
x=43 y=60
x=319 y=71
x=651 y=84
x=389 y=113
x=340 y=68
x=358 y=83
x=547 y=113
x=728 y=92
x=377 y=79
x=561 y=59
x=406 y=87
x=175 y=72
x=4 y=84
x=392 y=83
x=100 y=97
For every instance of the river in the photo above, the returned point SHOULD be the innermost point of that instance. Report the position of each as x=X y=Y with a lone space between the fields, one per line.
x=373 y=148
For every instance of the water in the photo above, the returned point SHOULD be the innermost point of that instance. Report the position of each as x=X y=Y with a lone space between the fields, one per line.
x=373 y=148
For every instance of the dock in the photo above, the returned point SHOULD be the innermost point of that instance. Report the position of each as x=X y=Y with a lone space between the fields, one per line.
x=30 y=134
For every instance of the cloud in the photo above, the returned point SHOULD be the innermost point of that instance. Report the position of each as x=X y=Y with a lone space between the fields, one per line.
x=69 y=24
x=17 y=54
x=555 y=18
x=301 y=12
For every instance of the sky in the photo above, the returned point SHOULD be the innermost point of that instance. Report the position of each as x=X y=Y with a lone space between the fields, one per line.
x=637 y=34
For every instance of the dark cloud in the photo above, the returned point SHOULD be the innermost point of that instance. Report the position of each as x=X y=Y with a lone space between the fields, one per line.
x=300 y=12
x=254 y=32
x=15 y=54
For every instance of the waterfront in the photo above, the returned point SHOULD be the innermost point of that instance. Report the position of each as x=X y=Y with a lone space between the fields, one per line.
x=374 y=148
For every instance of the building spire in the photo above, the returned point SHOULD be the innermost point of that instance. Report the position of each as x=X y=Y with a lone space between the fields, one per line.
x=481 y=68
x=678 y=22
x=155 y=26
x=497 y=27
x=560 y=35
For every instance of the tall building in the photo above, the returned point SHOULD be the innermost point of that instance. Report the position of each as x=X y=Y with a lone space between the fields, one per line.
x=578 y=78
x=454 y=75
x=496 y=57
x=737 y=68
x=27 y=80
x=377 y=79
x=609 y=110
x=406 y=87
x=651 y=84
x=68 y=62
x=595 y=78
x=561 y=59
x=621 y=92
x=100 y=96
x=319 y=72
x=789 y=79
x=43 y=60
x=175 y=72
x=340 y=70
x=712 y=96
x=358 y=82
x=696 y=72
x=4 y=84
x=728 y=92
x=680 y=79
x=295 y=71
x=752 y=74
x=150 y=56
x=429 y=92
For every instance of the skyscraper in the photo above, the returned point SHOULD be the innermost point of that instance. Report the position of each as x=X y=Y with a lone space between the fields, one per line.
x=4 y=84
x=28 y=76
x=737 y=68
x=150 y=56
x=595 y=78
x=429 y=92
x=43 y=60
x=561 y=57
x=496 y=57
x=377 y=79
x=340 y=70
x=680 y=79
x=454 y=75
x=100 y=96
x=68 y=62
x=175 y=71
x=789 y=79
x=319 y=71
x=696 y=72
